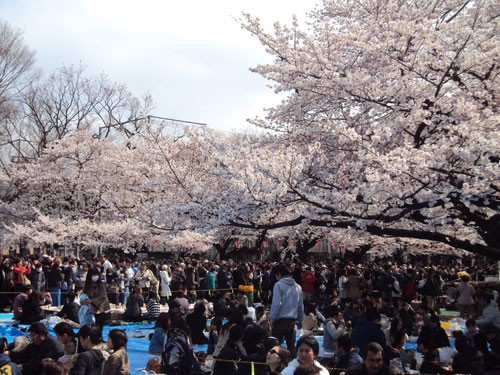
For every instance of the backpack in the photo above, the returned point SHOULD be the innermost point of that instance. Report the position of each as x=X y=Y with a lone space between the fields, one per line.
x=178 y=358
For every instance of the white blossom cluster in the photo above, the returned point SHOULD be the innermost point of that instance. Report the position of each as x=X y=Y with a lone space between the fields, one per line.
x=389 y=126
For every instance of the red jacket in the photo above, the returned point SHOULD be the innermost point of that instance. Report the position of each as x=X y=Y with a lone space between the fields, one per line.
x=18 y=272
x=308 y=279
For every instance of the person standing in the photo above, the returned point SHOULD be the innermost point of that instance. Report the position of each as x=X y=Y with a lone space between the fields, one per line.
x=287 y=307
x=37 y=278
x=21 y=271
x=165 y=279
x=97 y=296
x=54 y=282
x=308 y=279
x=466 y=295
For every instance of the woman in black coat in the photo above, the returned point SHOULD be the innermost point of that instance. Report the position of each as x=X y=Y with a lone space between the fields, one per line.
x=32 y=312
x=197 y=322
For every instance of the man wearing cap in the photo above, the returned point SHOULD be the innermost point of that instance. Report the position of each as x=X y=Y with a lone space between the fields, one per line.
x=287 y=307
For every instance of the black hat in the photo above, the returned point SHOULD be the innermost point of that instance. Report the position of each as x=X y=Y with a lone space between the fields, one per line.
x=270 y=342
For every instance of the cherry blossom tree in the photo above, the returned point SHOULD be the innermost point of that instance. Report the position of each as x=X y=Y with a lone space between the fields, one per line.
x=390 y=121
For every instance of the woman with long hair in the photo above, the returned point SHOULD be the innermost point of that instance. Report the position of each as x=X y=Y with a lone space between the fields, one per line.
x=277 y=359
x=117 y=363
x=197 y=322
x=396 y=337
x=213 y=336
x=158 y=339
x=133 y=310
x=97 y=300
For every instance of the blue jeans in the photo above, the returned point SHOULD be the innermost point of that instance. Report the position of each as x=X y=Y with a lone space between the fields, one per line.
x=124 y=295
x=55 y=293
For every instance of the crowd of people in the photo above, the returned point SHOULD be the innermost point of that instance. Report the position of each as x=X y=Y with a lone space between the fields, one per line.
x=249 y=314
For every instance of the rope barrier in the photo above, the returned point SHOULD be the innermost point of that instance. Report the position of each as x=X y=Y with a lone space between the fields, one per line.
x=122 y=292
x=253 y=363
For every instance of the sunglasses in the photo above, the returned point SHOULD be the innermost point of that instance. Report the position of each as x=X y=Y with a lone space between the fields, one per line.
x=272 y=351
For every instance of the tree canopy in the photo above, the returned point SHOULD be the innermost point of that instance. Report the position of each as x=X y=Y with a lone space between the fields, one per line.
x=389 y=126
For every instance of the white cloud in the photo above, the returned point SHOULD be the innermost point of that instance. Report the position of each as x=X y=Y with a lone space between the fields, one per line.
x=192 y=56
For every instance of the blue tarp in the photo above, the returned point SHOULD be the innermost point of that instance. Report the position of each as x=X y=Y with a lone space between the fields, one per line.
x=138 y=339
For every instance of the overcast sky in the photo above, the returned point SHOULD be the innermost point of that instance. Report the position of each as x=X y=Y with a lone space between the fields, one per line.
x=191 y=56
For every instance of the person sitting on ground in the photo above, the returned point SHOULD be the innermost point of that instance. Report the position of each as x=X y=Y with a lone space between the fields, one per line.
x=367 y=329
x=32 y=311
x=70 y=309
x=407 y=313
x=432 y=336
x=6 y=365
x=491 y=313
x=467 y=360
x=347 y=354
x=277 y=359
x=180 y=302
x=310 y=323
x=46 y=297
x=232 y=351
x=475 y=337
x=307 y=354
x=430 y=364
x=492 y=356
x=197 y=322
x=42 y=346
x=263 y=319
x=157 y=342
x=334 y=327
x=152 y=306
x=235 y=317
x=213 y=336
x=91 y=360
x=396 y=338
x=133 y=311
x=191 y=295
x=373 y=362
x=117 y=363
x=66 y=336
x=21 y=298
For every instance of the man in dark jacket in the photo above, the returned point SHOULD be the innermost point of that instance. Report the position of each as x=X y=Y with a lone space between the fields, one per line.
x=70 y=309
x=432 y=336
x=468 y=360
x=226 y=362
x=373 y=363
x=366 y=330
x=42 y=346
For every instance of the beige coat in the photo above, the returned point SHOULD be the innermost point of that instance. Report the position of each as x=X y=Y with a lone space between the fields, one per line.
x=98 y=298
x=117 y=363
